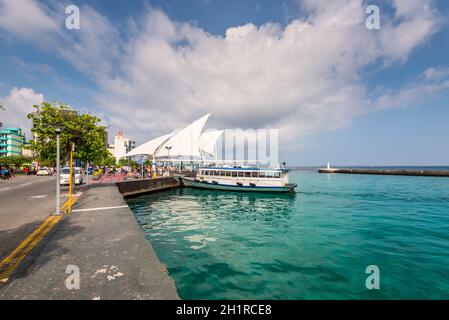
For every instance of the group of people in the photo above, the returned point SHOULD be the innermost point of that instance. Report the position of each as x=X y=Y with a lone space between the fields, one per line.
x=165 y=171
x=136 y=173
x=7 y=172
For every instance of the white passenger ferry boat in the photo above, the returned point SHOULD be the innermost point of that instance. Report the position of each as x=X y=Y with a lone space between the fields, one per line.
x=241 y=179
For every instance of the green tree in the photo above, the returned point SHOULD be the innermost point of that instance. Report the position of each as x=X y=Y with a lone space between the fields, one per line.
x=82 y=129
x=15 y=161
x=128 y=163
x=108 y=161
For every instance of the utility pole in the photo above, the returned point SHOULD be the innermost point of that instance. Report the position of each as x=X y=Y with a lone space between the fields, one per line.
x=72 y=148
x=58 y=175
x=168 y=150
x=87 y=173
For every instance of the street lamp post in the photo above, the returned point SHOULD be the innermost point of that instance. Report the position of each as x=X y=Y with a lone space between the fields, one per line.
x=87 y=173
x=58 y=176
x=168 y=150
x=141 y=166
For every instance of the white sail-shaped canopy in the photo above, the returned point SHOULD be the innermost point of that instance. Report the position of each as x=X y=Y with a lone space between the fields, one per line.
x=185 y=143
x=150 y=147
x=208 y=140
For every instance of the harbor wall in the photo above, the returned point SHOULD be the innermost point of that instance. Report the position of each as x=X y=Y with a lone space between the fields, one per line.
x=423 y=173
x=137 y=187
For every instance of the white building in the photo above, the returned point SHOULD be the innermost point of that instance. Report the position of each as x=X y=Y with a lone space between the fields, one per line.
x=122 y=146
x=111 y=149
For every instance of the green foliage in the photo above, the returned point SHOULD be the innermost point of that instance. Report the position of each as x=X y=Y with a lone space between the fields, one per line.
x=127 y=163
x=46 y=163
x=122 y=162
x=15 y=161
x=108 y=161
x=82 y=129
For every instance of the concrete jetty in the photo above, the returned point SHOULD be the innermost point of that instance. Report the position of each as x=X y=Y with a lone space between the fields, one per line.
x=138 y=187
x=102 y=240
x=399 y=172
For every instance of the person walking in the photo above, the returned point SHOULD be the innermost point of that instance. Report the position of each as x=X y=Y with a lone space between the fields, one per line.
x=26 y=171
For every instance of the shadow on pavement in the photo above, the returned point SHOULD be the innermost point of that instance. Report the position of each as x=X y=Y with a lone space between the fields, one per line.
x=10 y=239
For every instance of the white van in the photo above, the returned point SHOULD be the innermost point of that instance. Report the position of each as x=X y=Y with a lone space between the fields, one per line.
x=65 y=176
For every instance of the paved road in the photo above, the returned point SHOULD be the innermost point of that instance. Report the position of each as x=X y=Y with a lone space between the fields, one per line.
x=108 y=248
x=25 y=202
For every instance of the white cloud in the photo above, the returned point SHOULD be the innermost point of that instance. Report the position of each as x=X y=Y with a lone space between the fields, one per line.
x=26 y=19
x=93 y=48
x=302 y=77
x=432 y=82
x=436 y=73
x=415 y=21
x=18 y=103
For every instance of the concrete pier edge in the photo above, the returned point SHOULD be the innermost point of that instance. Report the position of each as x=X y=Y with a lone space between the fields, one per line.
x=108 y=246
x=416 y=173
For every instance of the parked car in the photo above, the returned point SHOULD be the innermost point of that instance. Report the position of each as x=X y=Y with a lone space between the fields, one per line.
x=44 y=171
x=78 y=176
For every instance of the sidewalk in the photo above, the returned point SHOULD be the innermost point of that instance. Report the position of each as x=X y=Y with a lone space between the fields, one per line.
x=108 y=247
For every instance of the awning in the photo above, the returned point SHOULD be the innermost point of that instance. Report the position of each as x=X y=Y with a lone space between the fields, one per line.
x=185 y=143
x=208 y=140
x=150 y=147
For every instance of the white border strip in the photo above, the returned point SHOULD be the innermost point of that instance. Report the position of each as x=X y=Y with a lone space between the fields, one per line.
x=100 y=208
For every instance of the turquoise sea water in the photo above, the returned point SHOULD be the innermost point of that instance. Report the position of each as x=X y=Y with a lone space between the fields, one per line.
x=314 y=244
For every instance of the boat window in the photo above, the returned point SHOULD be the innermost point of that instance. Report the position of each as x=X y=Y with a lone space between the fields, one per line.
x=254 y=174
x=206 y=173
x=277 y=174
x=228 y=173
x=261 y=174
x=240 y=174
x=216 y=173
x=222 y=173
x=247 y=174
x=234 y=173
x=269 y=174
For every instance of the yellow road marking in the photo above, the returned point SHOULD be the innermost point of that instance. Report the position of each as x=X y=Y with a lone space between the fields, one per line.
x=4 y=276
x=12 y=261
x=66 y=204
x=26 y=241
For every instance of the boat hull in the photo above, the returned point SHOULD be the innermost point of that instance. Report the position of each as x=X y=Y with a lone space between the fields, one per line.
x=189 y=182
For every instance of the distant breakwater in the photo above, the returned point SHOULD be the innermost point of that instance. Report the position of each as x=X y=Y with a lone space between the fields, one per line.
x=398 y=172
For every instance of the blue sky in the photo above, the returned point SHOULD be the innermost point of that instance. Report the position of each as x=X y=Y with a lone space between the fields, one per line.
x=337 y=91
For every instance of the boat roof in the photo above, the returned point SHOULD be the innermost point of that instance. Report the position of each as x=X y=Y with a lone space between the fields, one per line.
x=244 y=169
